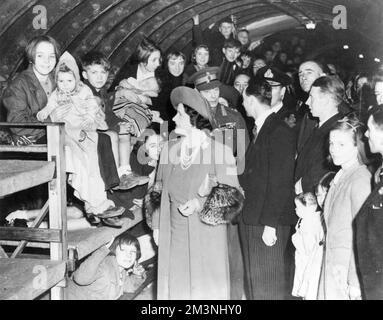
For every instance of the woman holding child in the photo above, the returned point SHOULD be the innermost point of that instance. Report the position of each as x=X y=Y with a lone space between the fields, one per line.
x=28 y=93
x=348 y=191
x=137 y=87
x=82 y=118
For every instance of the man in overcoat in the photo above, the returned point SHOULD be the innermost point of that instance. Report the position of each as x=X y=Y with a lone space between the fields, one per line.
x=368 y=224
x=326 y=95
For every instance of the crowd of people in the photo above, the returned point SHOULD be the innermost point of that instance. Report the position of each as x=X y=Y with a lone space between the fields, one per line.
x=257 y=186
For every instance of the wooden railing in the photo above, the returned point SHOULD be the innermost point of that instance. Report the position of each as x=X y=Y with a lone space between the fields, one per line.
x=56 y=234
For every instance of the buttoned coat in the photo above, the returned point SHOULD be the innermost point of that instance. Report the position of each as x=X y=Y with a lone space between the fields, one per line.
x=343 y=201
x=368 y=227
x=312 y=163
x=268 y=176
x=23 y=98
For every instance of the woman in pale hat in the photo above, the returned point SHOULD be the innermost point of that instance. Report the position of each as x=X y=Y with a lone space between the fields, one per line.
x=193 y=256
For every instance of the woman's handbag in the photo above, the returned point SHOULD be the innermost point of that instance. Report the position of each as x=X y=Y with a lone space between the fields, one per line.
x=223 y=205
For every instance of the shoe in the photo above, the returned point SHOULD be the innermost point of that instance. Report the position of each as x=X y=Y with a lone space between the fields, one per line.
x=111 y=212
x=19 y=223
x=92 y=219
x=114 y=222
x=132 y=180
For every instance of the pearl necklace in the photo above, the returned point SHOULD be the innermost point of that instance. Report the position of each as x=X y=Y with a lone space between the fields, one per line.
x=187 y=159
x=198 y=141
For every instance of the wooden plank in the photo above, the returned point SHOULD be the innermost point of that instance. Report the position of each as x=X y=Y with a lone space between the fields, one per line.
x=26 y=279
x=30 y=124
x=35 y=148
x=17 y=175
x=42 y=235
x=36 y=223
x=30 y=244
x=57 y=199
x=86 y=241
x=3 y=253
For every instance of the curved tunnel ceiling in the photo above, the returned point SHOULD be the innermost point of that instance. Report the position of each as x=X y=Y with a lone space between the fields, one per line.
x=115 y=27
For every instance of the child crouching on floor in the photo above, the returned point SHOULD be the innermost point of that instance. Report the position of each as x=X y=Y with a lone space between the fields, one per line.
x=109 y=271
x=73 y=103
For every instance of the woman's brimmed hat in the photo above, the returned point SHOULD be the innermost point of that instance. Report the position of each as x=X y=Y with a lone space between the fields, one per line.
x=191 y=98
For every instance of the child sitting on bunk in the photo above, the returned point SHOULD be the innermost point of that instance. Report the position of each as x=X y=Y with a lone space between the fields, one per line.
x=73 y=103
x=109 y=271
x=132 y=101
x=95 y=72
x=85 y=114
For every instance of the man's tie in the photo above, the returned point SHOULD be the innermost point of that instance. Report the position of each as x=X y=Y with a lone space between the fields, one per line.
x=379 y=176
x=255 y=132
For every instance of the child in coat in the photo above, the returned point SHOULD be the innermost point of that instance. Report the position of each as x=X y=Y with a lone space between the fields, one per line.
x=308 y=241
x=95 y=72
x=132 y=104
x=109 y=271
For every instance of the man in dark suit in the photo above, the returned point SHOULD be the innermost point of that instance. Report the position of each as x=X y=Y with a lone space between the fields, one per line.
x=368 y=224
x=309 y=71
x=326 y=94
x=268 y=212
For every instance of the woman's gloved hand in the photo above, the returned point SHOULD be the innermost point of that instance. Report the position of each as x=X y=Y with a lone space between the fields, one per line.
x=189 y=207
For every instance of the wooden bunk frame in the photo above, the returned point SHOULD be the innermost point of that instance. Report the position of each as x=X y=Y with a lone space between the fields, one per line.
x=65 y=247
x=29 y=278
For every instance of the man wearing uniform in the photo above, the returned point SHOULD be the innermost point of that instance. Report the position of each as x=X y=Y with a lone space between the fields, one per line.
x=228 y=123
x=278 y=81
x=231 y=128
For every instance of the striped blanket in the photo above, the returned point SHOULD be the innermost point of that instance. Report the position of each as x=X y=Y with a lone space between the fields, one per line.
x=138 y=115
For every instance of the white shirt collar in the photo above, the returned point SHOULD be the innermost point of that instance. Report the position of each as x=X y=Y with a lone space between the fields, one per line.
x=261 y=120
x=277 y=107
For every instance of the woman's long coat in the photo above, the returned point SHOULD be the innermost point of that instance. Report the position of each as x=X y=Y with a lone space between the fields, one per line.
x=209 y=267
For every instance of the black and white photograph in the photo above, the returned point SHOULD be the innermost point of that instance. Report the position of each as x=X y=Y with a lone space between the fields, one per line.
x=191 y=156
